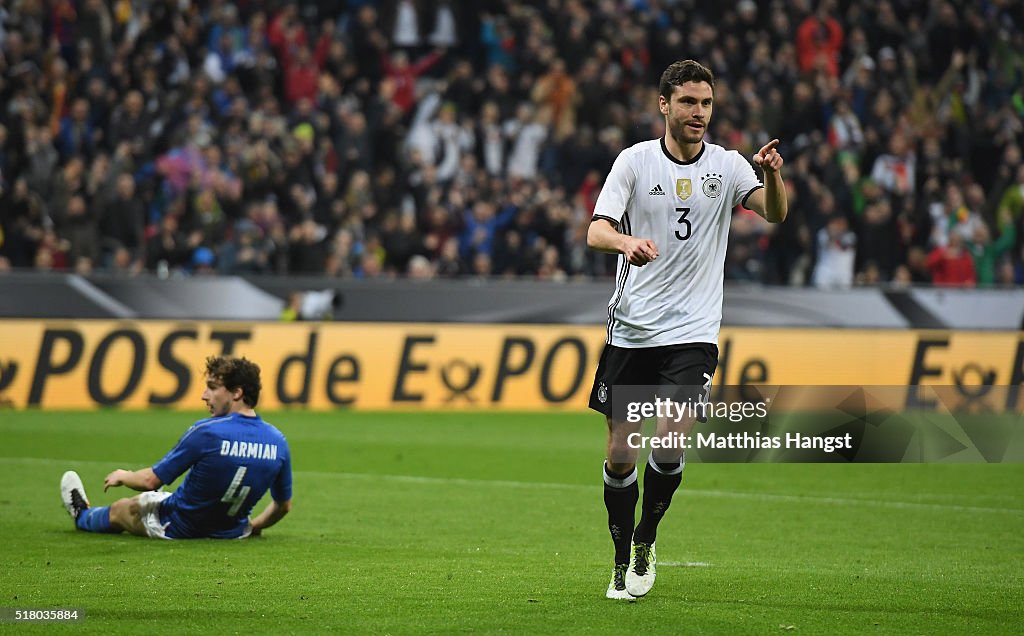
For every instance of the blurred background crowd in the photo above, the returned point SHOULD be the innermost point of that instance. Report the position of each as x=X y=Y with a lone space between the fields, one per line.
x=445 y=138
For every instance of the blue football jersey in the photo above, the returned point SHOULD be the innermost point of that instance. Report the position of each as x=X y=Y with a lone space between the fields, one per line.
x=232 y=461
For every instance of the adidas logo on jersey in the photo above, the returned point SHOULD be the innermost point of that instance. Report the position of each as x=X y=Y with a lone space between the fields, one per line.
x=656 y=191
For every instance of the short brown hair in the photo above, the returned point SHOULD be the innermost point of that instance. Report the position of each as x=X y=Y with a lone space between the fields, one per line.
x=678 y=73
x=236 y=373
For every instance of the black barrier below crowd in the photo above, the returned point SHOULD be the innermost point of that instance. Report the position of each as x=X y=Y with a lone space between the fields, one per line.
x=32 y=295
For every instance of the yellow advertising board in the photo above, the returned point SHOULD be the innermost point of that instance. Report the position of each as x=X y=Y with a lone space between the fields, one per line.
x=140 y=364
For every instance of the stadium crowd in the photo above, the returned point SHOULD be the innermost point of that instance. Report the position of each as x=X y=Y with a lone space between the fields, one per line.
x=439 y=138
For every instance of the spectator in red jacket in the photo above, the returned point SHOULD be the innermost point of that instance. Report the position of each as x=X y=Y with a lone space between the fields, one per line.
x=819 y=41
x=404 y=75
x=952 y=265
x=301 y=77
x=285 y=33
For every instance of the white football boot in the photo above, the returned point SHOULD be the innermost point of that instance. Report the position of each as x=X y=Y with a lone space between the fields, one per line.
x=617 y=587
x=72 y=493
x=640 y=575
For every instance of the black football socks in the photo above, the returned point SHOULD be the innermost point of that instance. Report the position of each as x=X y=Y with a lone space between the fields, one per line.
x=660 y=483
x=621 y=493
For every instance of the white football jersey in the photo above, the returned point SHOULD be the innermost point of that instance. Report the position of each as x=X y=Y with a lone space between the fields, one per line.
x=686 y=209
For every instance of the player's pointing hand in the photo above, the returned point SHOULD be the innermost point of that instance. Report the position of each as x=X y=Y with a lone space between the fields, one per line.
x=768 y=157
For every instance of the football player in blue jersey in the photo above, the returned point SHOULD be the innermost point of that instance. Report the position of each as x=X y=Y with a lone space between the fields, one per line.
x=232 y=457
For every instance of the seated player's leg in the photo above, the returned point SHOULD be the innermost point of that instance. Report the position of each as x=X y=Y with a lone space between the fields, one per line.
x=76 y=502
x=140 y=515
x=126 y=515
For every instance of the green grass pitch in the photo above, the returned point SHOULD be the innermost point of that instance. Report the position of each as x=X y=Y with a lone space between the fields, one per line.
x=485 y=523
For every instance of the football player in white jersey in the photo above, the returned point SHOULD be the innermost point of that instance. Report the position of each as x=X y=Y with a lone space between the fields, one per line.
x=665 y=208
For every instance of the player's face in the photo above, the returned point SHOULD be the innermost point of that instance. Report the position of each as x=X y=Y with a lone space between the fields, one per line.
x=218 y=399
x=688 y=111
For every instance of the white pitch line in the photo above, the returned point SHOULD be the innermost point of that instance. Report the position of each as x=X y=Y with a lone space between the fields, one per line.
x=715 y=494
x=504 y=483
x=683 y=564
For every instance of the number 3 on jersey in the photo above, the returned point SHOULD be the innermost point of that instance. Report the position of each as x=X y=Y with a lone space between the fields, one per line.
x=235 y=495
x=686 y=224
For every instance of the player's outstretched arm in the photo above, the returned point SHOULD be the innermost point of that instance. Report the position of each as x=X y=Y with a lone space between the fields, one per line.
x=141 y=480
x=273 y=513
x=771 y=202
x=604 y=237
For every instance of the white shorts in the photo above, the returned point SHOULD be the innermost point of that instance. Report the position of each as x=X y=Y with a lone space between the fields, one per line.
x=149 y=512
